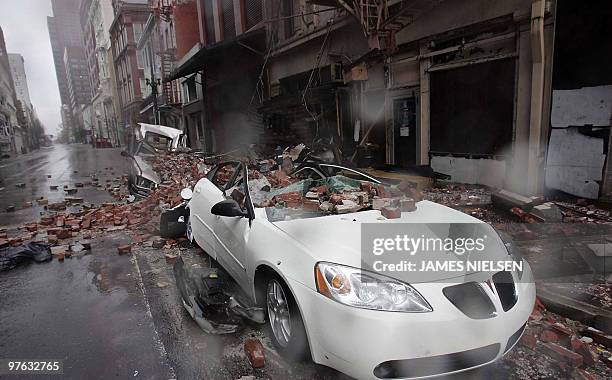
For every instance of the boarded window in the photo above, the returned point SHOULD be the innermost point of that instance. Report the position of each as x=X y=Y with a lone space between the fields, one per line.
x=471 y=109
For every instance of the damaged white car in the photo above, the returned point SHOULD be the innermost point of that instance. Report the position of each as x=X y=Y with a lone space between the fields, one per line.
x=149 y=141
x=293 y=245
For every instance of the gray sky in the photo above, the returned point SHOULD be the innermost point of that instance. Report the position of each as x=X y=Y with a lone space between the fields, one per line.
x=24 y=23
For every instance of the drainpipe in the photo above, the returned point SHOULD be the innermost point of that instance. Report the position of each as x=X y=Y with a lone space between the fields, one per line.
x=537 y=94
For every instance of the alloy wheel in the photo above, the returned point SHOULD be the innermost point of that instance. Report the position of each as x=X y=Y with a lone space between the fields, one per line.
x=278 y=313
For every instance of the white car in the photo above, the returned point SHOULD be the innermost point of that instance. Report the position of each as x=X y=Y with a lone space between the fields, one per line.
x=290 y=264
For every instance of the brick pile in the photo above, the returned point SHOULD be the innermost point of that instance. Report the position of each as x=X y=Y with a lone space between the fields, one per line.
x=65 y=227
x=571 y=349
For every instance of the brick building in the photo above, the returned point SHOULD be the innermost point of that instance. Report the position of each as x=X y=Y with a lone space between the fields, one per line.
x=128 y=24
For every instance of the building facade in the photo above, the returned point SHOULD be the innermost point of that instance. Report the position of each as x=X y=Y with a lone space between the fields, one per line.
x=128 y=24
x=25 y=110
x=157 y=47
x=96 y=19
x=219 y=73
x=67 y=42
x=10 y=133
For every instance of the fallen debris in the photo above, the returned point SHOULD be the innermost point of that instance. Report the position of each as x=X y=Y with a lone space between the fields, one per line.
x=212 y=302
x=10 y=257
x=255 y=352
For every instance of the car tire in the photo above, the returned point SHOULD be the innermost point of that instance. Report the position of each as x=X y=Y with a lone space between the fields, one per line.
x=287 y=334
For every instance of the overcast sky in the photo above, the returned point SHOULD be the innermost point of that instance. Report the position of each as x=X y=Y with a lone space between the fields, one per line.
x=24 y=23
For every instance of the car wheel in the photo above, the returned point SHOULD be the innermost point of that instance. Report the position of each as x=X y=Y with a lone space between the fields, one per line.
x=285 y=322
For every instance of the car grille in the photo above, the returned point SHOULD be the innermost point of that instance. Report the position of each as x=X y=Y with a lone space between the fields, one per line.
x=504 y=285
x=474 y=302
x=471 y=299
x=436 y=365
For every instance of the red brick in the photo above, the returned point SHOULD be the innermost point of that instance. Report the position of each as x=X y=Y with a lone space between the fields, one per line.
x=562 y=354
x=382 y=192
x=391 y=212
x=528 y=340
x=4 y=243
x=124 y=249
x=565 y=335
x=47 y=220
x=583 y=350
x=549 y=336
x=407 y=205
x=170 y=258
x=255 y=352
x=599 y=337
x=311 y=205
x=64 y=233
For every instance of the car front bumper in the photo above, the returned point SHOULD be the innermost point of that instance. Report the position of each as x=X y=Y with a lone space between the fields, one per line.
x=369 y=344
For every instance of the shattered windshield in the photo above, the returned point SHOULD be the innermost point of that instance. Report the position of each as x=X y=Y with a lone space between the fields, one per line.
x=286 y=197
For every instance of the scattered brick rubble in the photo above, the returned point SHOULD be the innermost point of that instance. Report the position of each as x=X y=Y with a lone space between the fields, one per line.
x=73 y=223
x=557 y=347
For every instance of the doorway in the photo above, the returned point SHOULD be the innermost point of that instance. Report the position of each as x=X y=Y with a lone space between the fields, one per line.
x=405 y=127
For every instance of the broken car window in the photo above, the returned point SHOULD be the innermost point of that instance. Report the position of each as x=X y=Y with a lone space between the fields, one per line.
x=158 y=141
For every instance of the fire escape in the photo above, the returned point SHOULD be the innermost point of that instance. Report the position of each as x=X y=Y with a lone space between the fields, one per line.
x=163 y=10
x=380 y=20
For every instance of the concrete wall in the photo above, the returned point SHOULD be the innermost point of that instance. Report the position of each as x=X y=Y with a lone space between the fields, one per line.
x=583 y=106
x=474 y=171
x=451 y=15
x=575 y=163
x=347 y=41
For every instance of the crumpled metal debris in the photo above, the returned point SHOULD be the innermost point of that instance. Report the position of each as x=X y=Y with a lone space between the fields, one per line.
x=212 y=299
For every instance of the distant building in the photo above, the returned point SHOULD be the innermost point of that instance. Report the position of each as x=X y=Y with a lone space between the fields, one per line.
x=67 y=44
x=64 y=30
x=125 y=30
x=9 y=131
x=96 y=19
x=20 y=79
x=23 y=104
x=170 y=23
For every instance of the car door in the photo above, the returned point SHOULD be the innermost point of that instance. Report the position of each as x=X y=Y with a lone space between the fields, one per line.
x=208 y=192
x=233 y=232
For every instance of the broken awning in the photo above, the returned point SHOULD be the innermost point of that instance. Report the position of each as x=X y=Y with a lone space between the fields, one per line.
x=253 y=40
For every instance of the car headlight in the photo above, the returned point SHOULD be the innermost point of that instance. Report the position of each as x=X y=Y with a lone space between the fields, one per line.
x=367 y=290
x=512 y=250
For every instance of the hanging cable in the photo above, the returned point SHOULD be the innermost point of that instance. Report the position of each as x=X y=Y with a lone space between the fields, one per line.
x=317 y=68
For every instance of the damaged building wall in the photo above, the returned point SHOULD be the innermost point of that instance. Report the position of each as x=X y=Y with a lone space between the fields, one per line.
x=472 y=36
x=581 y=107
x=575 y=162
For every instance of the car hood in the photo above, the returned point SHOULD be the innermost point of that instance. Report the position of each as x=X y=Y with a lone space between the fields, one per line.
x=337 y=238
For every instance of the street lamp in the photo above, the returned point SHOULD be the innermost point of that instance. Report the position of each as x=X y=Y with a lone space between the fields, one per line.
x=153 y=83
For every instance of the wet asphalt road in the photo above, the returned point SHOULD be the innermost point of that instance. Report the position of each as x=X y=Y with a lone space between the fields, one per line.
x=88 y=311
x=111 y=316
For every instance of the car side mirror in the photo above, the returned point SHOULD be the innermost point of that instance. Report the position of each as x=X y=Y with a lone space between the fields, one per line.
x=228 y=207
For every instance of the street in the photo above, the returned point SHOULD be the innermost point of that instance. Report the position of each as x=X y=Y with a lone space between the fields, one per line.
x=107 y=315
x=103 y=314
